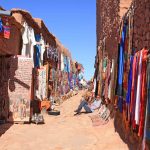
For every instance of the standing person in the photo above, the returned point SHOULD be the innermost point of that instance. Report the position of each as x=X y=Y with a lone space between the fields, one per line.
x=88 y=104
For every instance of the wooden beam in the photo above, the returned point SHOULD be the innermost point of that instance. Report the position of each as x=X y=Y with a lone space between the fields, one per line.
x=6 y=13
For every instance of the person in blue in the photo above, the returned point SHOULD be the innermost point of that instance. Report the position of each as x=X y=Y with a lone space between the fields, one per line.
x=89 y=103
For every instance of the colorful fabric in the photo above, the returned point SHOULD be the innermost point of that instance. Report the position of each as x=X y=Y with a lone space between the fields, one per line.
x=62 y=62
x=121 y=63
x=143 y=93
x=1 y=25
x=138 y=93
x=107 y=80
x=6 y=32
x=133 y=88
x=65 y=63
x=120 y=104
x=129 y=81
x=37 y=51
x=147 y=117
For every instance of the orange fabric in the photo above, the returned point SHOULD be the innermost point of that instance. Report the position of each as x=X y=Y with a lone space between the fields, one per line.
x=45 y=104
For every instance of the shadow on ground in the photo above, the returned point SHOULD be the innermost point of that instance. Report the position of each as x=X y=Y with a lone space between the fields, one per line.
x=4 y=128
x=128 y=138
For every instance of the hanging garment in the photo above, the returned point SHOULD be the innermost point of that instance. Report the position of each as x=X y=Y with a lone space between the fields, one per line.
x=31 y=44
x=6 y=32
x=94 y=89
x=62 y=62
x=107 y=80
x=143 y=92
x=128 y=96
x=120 y=104
x=110 y=89
x=121 y=63
x=129 y=81
x=68 y=65
x=1 y=25
x=147 y=116
x=133 y=88
x=28 y=41
x=24 y=38
x=59 y=61
x=42 y=50
x=65 y=63
x=105 y=64
x=138 y=93
x=37 y=51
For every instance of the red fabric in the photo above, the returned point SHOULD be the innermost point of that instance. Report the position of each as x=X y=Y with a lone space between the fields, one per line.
x=6 y=32
x=133 y=89
x=107 y=80
x=143 y=93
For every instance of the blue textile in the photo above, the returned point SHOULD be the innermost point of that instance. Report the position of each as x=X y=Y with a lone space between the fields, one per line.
x=65 y=64
x=80 y=76
x=121 y=62
x=74 y=79
x=120 y=104
x=68 y=65
x=69 y=80
x=1 y=25
x=129 y=81
x=37 y=51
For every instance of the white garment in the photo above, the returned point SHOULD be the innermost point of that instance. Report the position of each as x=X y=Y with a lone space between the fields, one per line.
x=24 y=38
x=62 y=63
x=94 y=90
x=69 y=64
x=40 y=80
x=110 y=93
x=137 y=106
x=32 y=43
x=28 y=41
x=42 y=49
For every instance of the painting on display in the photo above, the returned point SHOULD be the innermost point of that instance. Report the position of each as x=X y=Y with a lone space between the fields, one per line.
x=20 y=88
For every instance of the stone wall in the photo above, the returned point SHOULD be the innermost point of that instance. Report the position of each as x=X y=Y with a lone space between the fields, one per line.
x=141 y=37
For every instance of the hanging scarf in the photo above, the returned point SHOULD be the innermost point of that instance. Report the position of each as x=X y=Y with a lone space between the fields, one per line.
x=6 y=32
x=1 y=25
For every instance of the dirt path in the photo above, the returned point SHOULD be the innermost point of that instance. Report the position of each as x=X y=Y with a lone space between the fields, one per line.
x=64 y=132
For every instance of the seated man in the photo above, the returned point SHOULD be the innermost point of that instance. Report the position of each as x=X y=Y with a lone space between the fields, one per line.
x=88 y=104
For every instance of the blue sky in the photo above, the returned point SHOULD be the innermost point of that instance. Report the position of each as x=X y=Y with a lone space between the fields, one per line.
x=73 y=22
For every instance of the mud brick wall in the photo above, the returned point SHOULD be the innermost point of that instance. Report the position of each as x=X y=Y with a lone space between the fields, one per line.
x=15 y=83
x=12 y=45
x=109 y=14
x=20 y=87
x=4 y=97
x=141 y=37
x=108 y=24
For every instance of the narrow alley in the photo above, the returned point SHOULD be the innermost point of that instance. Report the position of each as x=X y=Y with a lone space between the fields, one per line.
x=64 y=132
x=75 y=75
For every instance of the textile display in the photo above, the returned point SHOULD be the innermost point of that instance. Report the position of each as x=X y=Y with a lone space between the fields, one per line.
x=40 y=84
x=37 y=51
